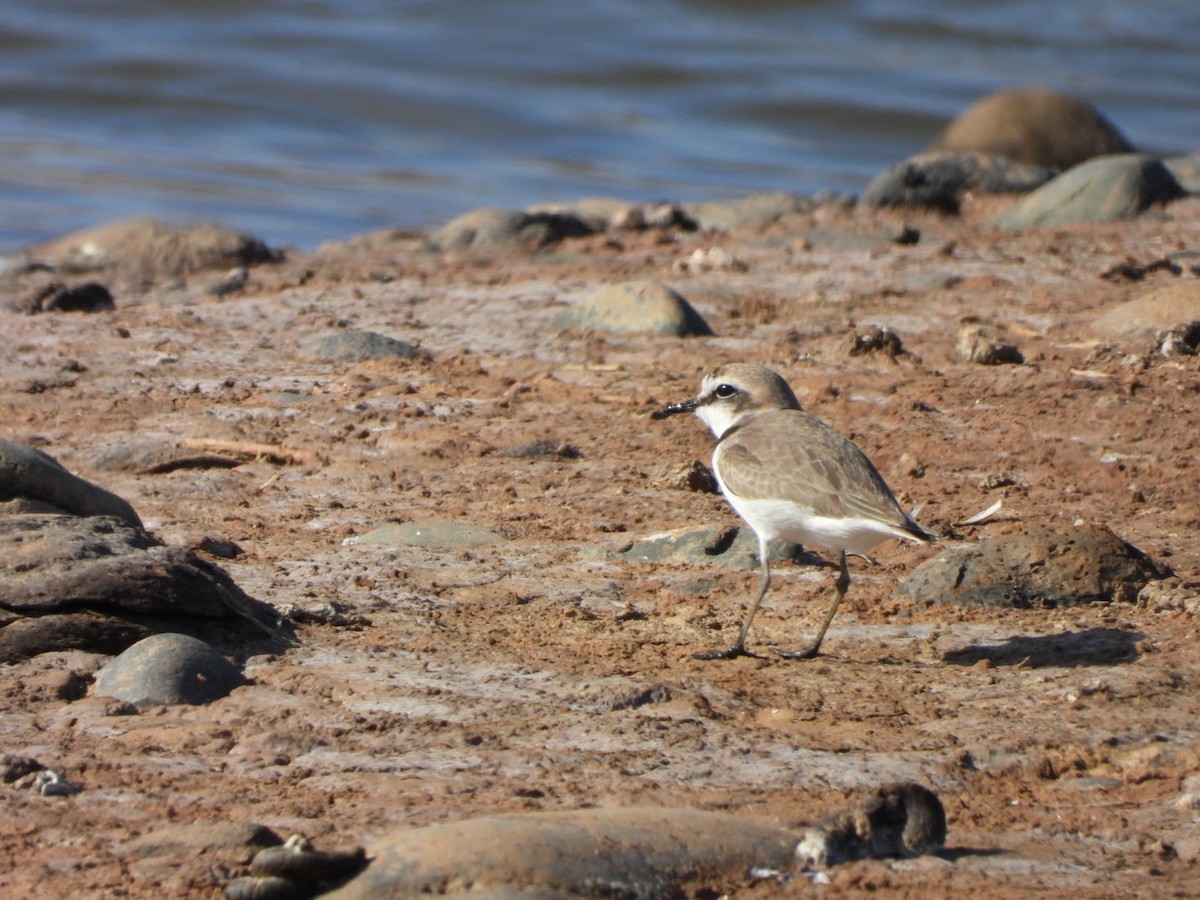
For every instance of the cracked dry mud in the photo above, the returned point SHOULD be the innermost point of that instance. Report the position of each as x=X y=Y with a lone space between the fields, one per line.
x=538 y=673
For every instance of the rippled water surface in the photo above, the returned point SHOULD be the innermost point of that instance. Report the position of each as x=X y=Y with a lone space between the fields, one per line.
x=306 y=120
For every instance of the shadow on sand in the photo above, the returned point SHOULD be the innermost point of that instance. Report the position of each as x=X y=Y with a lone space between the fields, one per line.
x=1093 y=647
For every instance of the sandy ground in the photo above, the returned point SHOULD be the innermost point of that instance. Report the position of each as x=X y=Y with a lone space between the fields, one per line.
x=539 y=673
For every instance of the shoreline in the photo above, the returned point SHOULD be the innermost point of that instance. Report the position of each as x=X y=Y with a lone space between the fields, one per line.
x=467 y=679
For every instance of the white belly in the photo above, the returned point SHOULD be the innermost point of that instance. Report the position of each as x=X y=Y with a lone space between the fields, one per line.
x=773 y=519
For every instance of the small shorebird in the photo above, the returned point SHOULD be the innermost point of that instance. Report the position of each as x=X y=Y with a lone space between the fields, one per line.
x=791 y=476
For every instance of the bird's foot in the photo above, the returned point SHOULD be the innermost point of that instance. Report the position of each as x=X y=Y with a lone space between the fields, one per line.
x=807 y=653
x=728 y=653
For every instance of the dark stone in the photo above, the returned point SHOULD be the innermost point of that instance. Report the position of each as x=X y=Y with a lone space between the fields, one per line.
x=939 y=180
x=21 y=638
x=168 y=670
x=221 y=547
x=34 y=475
x=100 y=584
x=13 y=767
x=55 y=296
x=1032 y=567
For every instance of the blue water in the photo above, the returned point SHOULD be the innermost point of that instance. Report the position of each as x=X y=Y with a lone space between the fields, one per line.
x=309 y=120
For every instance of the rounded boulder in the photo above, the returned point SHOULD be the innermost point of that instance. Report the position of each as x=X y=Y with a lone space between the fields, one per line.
x=168 y=670
x=1035 y=126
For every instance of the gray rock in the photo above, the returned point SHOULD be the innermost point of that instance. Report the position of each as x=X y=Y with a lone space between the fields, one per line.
x=427 y=534
x=34 y=475
x=357 y=346
x=634 y=306
x=1034 y=566
x=168 y=670
x=1035 y=126
x=1186 y=170
x=98 y=583
x=483 y=228
x=1101 y=190
x=757 y=209
x=1144 y=317
x=634 y=853
x=938 y=180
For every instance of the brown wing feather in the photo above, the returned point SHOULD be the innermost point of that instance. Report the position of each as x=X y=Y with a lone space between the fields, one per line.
x=825 y=472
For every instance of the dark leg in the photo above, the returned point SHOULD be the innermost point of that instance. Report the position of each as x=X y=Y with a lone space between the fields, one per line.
x=739 y=646
x=840 y=586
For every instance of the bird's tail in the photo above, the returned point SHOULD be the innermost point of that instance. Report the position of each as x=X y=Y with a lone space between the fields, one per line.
x=911 y=527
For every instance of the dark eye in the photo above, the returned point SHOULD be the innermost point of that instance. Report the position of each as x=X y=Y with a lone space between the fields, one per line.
x=725 y=391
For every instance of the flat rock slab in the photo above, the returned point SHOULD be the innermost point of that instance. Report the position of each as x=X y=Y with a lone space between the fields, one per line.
x=168 y=670
x=759 y=209
x=100 y=584
x=427 y=534
x=37 y=476
x=636 y=306
x=1143 y=317
x=177 y=838
x=631 y=853
x=1033 y=566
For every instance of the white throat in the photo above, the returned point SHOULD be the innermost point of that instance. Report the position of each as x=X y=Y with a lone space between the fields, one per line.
x=719 y=417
